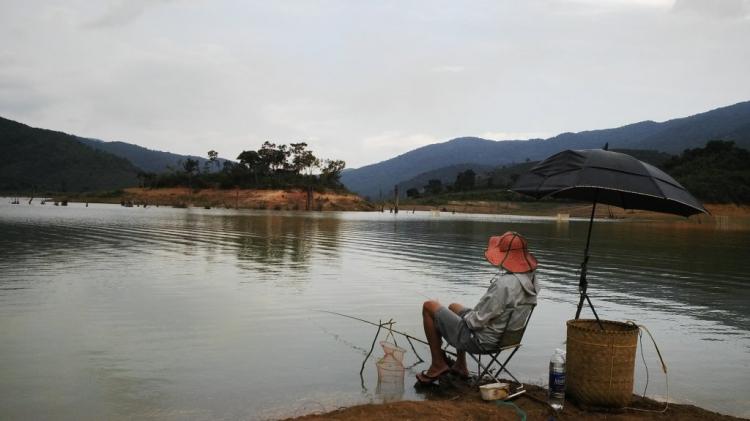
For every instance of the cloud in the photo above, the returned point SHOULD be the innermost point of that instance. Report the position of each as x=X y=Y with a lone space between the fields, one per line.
x=383 y=146
x=397 y=141
x=19 y=97
x=123 y=12
x=362 y=81
x=515 y=136
x=449 y=69
x=638 y=3
x=612 y=4
x=722 y=9
x=603 y=7
x=305 y=117
x=56 y=15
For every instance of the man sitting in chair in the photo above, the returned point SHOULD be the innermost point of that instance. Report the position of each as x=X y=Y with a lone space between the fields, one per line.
x=479 y=329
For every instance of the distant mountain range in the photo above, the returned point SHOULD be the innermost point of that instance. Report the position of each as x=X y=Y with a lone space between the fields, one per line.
x=673 y=136
x=143 y=158
x=47 y=161
x=39 y=159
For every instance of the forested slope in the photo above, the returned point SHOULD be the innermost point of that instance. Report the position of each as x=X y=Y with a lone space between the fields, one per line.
x=46 y=161
x=146 y=159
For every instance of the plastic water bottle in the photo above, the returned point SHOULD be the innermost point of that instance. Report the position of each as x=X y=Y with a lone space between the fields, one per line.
x=557 y=380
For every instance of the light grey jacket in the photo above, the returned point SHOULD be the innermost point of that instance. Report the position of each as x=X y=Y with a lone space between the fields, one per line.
x=489 y=317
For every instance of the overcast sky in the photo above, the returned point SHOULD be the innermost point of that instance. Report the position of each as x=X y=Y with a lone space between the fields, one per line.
x=363 y=81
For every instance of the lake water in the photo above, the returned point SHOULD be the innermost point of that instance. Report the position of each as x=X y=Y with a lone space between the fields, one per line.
x=109 y=312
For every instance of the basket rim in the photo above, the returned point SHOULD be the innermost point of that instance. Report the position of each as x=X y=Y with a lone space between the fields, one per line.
x=575 y=323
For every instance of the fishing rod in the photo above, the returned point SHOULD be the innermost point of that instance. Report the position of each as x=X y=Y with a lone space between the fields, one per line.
x=374 y=324
x=408 y=337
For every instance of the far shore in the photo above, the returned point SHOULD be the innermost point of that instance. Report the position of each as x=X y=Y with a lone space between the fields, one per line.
x=296 y=199
x=292 y=199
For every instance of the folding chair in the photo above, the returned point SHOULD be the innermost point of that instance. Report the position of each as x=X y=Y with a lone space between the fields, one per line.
x=510 y=341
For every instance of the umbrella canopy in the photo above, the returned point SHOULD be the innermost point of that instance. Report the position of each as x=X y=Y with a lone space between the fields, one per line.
x=612 y=178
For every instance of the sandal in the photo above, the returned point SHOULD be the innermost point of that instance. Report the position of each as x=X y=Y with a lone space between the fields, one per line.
x=426 y=380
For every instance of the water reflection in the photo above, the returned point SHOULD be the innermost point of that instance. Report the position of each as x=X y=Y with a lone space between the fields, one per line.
x=390 y=389
x=654 y=264
x=274 y=239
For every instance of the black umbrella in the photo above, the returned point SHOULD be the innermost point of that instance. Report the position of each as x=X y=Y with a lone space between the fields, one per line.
x=612 y=178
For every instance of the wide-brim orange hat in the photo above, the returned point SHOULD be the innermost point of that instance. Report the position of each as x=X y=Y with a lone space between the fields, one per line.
x=511 y=252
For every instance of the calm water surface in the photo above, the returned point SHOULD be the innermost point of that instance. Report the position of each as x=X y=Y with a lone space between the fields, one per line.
x=131 y=313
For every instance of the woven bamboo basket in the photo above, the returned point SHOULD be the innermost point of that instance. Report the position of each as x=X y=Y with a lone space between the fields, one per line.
x=600 y=363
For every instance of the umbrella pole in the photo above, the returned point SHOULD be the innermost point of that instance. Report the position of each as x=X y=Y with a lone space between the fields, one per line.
x=583 y=284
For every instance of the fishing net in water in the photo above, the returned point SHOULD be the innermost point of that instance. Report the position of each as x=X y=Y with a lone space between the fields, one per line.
x=391 y=366
x=391 y=370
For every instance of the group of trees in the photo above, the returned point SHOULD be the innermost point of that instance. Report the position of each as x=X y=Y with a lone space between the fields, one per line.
x=271 y=166
x=717 y=173
x=465 y=181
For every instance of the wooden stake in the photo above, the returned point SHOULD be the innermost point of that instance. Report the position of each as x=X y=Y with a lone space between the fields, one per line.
x=395 y=199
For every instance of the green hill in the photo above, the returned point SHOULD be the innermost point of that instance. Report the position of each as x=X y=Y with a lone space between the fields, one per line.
x=46 y=161
x=146 y=159
x=446 y=175
x=730 y=123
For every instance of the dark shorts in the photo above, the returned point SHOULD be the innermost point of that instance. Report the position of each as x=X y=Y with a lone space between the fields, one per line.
x=455 y=331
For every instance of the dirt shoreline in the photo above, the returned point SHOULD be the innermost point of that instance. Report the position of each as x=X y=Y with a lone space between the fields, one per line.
x=293 y=199
x=296 y=199
x=460 y=401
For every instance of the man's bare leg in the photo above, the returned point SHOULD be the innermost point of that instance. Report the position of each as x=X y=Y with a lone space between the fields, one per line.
x=460 y=366
x=438 y=365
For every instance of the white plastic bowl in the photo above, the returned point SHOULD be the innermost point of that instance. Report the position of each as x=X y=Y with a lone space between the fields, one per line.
x=494 y=391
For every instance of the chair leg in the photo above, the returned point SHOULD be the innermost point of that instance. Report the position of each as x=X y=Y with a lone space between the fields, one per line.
x=485 y=370
x=481 y=369
x=504 y=365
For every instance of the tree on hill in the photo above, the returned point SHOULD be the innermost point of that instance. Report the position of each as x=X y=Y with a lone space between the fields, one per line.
x=433 y=187
x=718 y=173
x=331 y=171
x=251 y=161
x=212 y=157
x=271 y=166
x=190 y=167
x=465 y=181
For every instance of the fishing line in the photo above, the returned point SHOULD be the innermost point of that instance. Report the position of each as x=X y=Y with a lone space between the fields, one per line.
x=374 y=324
x=406 y=335
x=336 y=337
x=429 y=298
